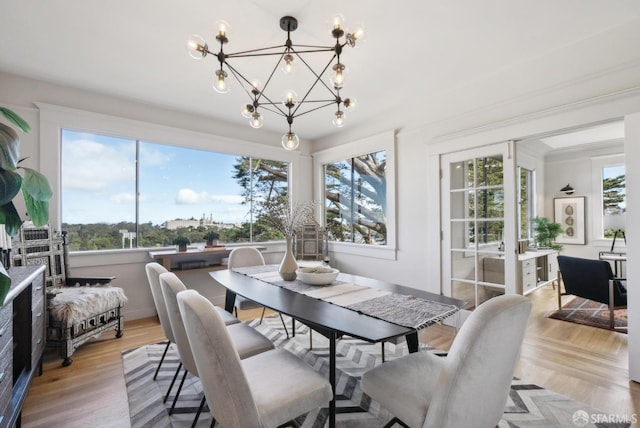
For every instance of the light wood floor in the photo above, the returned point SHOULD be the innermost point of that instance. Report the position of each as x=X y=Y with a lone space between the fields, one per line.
x=585 y=363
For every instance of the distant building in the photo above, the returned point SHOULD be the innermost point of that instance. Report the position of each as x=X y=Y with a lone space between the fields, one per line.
x=180 y=223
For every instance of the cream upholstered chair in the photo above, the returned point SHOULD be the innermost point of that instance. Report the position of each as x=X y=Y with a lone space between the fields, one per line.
x=267 y=390
x=246 y=340
x=244 y=257
x=467 y=388
x=154 y=270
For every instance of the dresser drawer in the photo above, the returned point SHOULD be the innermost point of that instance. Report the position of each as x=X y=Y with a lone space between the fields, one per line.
x=37 y=341
x=6 y=328
x=6 y=376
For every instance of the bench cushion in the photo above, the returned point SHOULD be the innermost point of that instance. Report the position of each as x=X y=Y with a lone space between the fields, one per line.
x=75 y=304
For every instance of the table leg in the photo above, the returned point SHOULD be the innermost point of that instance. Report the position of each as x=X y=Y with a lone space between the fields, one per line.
x=229 y=301
x=332 y=377
x=412 y=341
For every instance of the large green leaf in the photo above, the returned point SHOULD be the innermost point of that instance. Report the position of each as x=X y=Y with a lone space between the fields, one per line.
x=15 y=119
x=10 y=183
x=38 y=210
x=10 y=218
x=9 y=147
x=36 y=185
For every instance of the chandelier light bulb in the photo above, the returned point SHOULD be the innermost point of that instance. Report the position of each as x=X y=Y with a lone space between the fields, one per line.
x=337 y=79
x=349 y=103
x=247 y=111
x=222 y=31
x=256 y=120
x=287 y=63
x=197 y=47
x=290 y=141
x=255 y=86
x=290 y=99
x=337 y=26
x=338 y=119
x=220 y=83
x=356 y=35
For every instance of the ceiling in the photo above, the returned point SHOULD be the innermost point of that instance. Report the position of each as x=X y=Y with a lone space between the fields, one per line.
x=422 y=60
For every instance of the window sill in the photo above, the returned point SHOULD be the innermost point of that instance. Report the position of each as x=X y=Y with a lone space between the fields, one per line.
x=374 y=251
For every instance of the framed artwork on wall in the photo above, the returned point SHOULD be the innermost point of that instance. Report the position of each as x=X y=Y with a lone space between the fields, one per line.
x=569 y=212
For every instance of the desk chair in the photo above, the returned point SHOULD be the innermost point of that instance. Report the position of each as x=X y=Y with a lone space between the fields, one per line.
x=267 y=390
x=467 y=388
x=244 y=257
x=246 y=340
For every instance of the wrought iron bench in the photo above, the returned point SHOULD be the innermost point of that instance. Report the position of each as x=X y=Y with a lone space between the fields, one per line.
x=79 y=308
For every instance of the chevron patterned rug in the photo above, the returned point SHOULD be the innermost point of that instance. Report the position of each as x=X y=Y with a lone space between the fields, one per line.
x=528 y=405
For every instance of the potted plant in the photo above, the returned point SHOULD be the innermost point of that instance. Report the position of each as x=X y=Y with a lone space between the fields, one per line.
x=35 y=187
x=211 y=238
x=546 y=233
x=181 y=242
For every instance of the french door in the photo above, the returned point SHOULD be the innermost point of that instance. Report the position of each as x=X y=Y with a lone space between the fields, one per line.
x=479 y=223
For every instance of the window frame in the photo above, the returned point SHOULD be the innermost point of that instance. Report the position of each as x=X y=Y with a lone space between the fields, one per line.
x=383 y=141
x=55 y=118
x=597 y=214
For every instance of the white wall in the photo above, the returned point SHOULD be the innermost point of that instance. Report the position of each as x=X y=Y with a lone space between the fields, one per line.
x=632 y=152
x=577 y=168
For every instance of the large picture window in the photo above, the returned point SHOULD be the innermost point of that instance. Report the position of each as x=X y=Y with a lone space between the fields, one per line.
x=125 y=193
x=356 y=200
x=614 y=200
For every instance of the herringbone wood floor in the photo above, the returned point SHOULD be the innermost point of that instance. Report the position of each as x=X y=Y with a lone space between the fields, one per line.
x=585 y=363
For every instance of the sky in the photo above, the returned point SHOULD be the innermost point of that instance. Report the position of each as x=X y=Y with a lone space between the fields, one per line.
x=98 y=182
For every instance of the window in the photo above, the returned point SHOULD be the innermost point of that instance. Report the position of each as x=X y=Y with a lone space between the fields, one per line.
x=355 y=184
x=613 y=201
x=125 y=193
x=526 y=205
x=355 y=199
x=608 y=206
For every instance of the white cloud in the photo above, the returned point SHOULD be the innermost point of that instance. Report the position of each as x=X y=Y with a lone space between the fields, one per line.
x=191 y=197
x=91 y=166
x=123 y=198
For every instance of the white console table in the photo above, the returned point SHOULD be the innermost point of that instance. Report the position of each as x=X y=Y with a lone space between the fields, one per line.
x=535 y=269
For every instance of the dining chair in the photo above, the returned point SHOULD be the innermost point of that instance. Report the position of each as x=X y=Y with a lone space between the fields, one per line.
x=246 y=340
x=267 y=390
x=467 y=388
x=154 y=270
x=244 y=257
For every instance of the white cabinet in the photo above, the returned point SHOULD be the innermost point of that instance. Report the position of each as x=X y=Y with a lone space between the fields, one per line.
x=535 y=269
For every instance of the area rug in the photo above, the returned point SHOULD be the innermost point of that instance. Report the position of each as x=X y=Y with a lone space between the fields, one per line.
x=589 y=312
x=528 y=405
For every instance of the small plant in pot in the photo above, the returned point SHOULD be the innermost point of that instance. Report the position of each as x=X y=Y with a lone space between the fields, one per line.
x=211 y=239
x=546 y=233
x=181 y=242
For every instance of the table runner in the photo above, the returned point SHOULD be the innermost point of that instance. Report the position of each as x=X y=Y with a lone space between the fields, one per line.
x=405 y=310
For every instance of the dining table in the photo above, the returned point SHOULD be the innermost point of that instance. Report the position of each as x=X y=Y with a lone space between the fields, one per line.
x=389 y=311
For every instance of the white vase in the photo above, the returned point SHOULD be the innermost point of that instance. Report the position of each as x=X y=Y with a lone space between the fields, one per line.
x=288 y=265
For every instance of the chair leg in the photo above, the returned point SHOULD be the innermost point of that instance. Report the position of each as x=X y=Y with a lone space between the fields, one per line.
x=284 y=325
x=175 y=376
x=262 y=316
x=162 y=359
x=175 y=399
x=612 y=322
x=382 y=346
x=195 y=420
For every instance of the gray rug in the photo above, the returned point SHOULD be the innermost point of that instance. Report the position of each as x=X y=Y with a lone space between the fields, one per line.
x=528 y=404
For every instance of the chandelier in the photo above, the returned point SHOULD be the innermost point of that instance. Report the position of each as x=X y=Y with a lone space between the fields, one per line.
x=290 y=54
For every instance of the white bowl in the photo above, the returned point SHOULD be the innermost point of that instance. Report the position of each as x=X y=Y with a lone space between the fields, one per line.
x=319 y=275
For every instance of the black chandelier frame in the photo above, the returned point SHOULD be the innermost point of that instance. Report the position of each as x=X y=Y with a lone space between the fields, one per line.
x=289 y=108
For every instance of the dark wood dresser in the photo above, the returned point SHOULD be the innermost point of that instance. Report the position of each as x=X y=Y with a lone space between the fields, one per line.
x=22 y=340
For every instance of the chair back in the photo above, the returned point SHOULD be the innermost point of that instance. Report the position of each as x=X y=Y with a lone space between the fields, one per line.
x=154 y=270
x=474 y=384
x=171 y=286
x=221 y=374
x=589 y=279
x=245 y=256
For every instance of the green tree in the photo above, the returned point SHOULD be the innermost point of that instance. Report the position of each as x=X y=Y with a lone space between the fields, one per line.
x=613 y=194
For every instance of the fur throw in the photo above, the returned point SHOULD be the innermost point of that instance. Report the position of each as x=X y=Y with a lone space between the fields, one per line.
x=75 y=304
